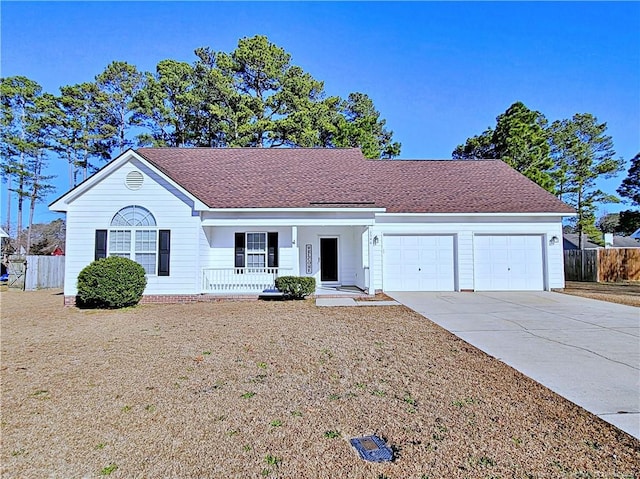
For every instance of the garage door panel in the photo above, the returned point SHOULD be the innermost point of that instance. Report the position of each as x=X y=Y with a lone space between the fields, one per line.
x=418 y=263
x=409 y=241
x=508 y=262
x=393 y=257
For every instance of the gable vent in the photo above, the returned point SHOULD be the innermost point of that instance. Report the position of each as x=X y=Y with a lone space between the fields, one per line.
x=134 y=180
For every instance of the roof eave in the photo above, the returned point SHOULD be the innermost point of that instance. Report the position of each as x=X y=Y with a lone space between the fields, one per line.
x=296 y=210
x=510 y=214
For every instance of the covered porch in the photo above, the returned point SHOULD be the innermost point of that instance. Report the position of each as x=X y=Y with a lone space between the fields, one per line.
x=252 y=281
x=240 y=280
x=247 y=256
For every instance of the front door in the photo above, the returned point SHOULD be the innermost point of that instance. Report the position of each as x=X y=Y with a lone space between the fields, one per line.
x=329 y=260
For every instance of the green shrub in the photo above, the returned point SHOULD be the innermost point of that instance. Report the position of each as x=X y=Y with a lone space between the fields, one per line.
x=112 y=282
x=296 y=287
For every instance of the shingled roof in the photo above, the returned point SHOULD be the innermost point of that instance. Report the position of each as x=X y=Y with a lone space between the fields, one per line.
x=308 y=178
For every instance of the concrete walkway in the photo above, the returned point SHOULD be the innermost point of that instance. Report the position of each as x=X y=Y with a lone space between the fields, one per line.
x=587 y=351
x=331 y=302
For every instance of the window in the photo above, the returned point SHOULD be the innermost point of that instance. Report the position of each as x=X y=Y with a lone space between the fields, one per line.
x=134 y=235
x=256 y=250
x=146 y=249
x=133 y=216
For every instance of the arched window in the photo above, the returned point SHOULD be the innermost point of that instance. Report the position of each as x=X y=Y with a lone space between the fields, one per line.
x=133 y=216
x=133 y=234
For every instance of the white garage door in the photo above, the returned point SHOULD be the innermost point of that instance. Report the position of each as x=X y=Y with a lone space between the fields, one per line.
x=508 y=263
x=418 y=263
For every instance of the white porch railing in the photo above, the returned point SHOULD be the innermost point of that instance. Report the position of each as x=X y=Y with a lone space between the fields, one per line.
x=240 y=280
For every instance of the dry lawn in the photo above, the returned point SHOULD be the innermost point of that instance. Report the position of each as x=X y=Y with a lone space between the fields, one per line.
x=260 y=389
x=627 y=292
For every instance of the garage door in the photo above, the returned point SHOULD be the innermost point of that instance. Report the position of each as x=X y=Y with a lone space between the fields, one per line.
x=418 y=263
x=508 y=263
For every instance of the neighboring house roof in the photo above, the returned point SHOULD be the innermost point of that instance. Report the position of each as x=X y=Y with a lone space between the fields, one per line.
x=626 y=242
x=54 y=250
x=319 y=177
x=572 y=241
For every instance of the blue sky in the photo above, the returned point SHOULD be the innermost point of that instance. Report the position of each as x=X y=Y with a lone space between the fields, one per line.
x=438 y=72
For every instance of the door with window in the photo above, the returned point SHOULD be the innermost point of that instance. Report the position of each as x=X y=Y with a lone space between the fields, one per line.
x=329 y=260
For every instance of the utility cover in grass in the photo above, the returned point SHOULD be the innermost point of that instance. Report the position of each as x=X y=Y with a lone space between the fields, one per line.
x=372 y=448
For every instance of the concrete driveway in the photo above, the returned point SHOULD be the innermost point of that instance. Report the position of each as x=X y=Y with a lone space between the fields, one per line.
x=587 y=351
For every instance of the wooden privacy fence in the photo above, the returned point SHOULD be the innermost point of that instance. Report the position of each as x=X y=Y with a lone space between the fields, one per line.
x=619 y=264
x=602 y=265
x=581 y=265
x=36 y=272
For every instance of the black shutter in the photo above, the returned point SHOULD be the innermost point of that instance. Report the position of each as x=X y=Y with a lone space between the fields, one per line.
x=164 y=249
x=239 y=250
x=101 y=244
x=272 y=245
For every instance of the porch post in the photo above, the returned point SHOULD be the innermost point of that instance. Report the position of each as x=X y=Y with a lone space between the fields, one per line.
x=370 y=276
x=295 y=257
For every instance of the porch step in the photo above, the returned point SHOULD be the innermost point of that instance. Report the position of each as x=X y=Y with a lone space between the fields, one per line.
x=335 y=302
x=352 y=302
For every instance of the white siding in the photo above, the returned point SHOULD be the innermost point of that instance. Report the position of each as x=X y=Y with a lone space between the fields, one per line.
x=465 y=259
x=465 y=230
x=375 y=268
x=95 y=209
x=204 y=247
x=350 y=270
x=362 y=279
x=554 y=256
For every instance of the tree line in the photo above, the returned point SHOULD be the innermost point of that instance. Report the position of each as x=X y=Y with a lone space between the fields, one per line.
x=255 y=97
x=565 y=157
x=251 y=97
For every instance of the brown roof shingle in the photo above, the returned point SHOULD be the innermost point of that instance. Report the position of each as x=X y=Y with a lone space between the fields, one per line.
x=304 y=178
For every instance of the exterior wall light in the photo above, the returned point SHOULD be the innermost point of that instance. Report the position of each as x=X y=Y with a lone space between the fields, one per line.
x=554 y=240
x=376 y=240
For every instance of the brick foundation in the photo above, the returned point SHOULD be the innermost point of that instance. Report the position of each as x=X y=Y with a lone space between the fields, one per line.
x=204 y=298
x=180 y=298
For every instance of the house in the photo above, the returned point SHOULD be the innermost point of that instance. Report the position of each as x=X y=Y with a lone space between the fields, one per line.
x=53 y=250
x=625 y=242
x=4 y=276
x=571 y=242
x=228 y=221
x=3 y=236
